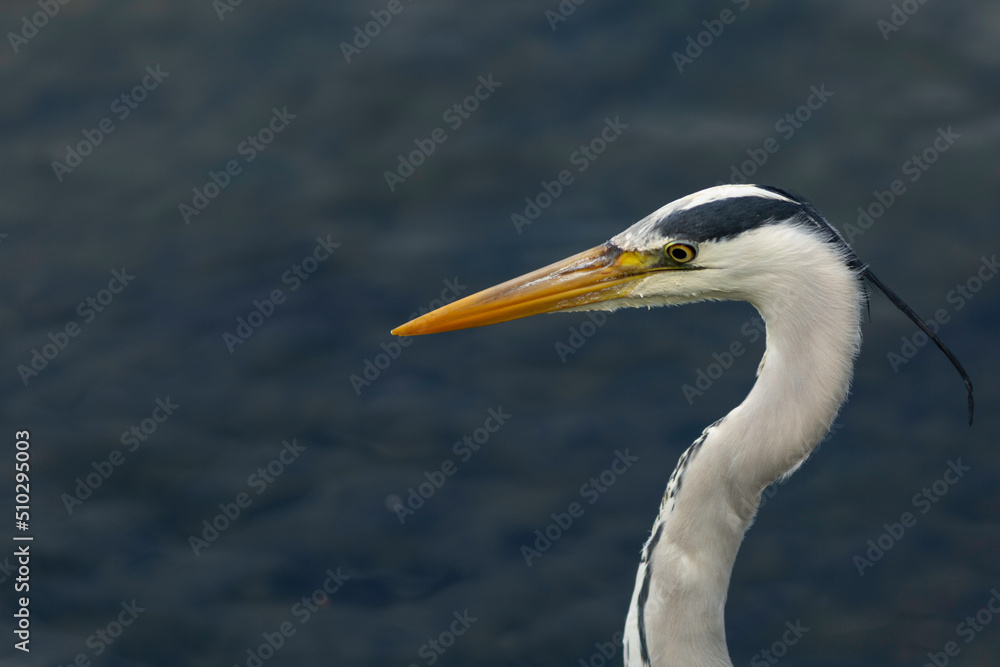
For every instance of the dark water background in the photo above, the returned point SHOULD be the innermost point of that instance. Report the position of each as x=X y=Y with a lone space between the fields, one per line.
x=365 y=446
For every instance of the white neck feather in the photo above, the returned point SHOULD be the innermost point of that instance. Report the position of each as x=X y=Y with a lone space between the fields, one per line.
x=812 y=309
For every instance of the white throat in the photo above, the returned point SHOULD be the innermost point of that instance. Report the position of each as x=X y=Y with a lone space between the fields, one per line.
x=811 y=303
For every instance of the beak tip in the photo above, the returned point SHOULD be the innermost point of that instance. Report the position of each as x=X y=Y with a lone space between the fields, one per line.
x=405 y=330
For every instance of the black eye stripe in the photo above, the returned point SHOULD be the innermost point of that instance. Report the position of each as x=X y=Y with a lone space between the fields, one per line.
x=725 y=218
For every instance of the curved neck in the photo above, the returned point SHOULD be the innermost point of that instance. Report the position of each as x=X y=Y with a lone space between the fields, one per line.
x=813 y=336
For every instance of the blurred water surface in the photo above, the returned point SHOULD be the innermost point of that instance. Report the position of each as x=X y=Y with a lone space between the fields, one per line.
x=285 y=427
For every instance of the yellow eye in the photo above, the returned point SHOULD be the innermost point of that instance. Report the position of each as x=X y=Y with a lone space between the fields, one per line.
x=682 y=253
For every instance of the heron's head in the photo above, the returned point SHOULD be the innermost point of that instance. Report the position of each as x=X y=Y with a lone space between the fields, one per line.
x=731 y=242
x=726 y=242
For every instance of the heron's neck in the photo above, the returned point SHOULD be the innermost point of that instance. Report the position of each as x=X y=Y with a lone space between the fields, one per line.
x=813 y=335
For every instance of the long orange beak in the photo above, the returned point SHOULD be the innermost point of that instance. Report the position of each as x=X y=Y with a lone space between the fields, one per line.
x=599 y=274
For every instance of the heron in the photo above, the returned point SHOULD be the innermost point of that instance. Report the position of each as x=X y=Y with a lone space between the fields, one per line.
x=754 y=243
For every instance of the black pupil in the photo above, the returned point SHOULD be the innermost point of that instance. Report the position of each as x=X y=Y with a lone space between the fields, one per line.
x=680 y=253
